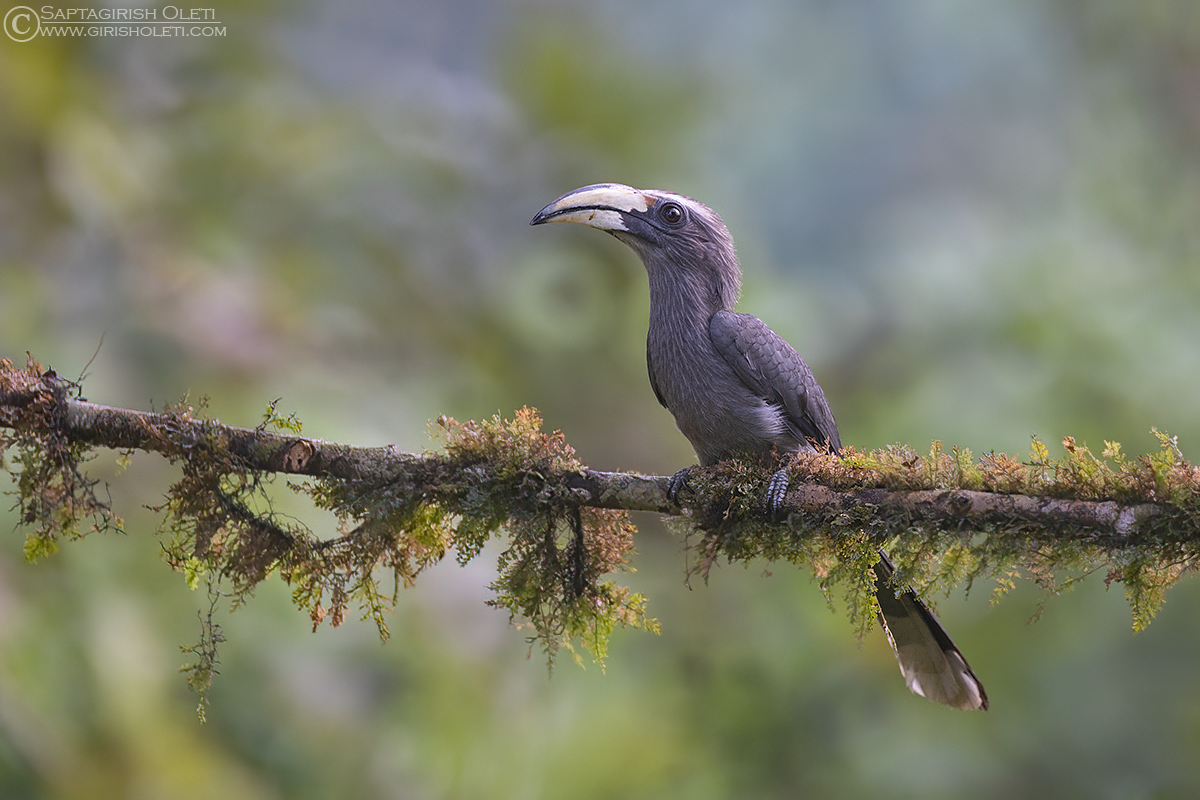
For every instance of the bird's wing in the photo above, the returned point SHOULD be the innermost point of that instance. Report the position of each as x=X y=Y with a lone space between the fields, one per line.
x=653 y=378
x=932 y=665
x=770 y=368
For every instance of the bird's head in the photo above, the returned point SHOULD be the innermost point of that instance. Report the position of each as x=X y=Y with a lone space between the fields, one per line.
x=681 y=241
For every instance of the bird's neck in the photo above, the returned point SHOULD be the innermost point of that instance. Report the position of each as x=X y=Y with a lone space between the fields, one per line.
x=681 y=309
x=687 y=301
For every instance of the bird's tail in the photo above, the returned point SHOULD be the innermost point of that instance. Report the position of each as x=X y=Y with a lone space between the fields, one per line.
x=932 y=665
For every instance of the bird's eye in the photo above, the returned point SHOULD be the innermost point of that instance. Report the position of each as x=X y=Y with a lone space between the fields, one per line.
x=671 y=213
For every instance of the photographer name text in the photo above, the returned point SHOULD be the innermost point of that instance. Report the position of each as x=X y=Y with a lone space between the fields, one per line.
x=164 y=14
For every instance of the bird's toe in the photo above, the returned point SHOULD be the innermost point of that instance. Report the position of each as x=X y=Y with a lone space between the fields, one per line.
x=677 y=483
x=777 y=488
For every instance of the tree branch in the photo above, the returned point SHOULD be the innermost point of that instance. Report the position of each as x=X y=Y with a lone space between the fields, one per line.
x=170 y=433
x=945 y=515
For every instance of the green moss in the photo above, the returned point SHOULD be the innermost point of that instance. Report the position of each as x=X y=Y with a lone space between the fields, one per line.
x=839 y=543
x=54 y=497
x=496 y=478
x=507 y=480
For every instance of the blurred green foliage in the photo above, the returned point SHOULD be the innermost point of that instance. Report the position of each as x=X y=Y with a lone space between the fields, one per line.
x=976 y=223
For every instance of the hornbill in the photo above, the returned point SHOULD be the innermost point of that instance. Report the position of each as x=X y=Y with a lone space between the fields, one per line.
x=735 y=386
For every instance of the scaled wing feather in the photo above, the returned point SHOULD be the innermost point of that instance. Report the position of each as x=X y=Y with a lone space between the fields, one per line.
x=771 y=368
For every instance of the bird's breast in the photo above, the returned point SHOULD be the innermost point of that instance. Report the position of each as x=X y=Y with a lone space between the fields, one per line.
x=717 y=413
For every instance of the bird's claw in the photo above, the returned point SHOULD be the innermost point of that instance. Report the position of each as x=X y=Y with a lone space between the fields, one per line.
x=677 y=483
x=777 y=488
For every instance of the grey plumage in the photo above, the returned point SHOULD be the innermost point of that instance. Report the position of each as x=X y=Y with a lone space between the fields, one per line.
x=734 y=385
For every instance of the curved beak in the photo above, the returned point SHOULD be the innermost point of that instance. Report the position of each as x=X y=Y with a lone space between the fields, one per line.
x=601 y=206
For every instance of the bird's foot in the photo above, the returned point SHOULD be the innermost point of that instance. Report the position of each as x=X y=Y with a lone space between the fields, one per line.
x=777 y=488
x=677 y=483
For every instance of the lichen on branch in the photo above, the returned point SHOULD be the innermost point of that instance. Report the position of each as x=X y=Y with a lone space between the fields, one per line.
x=562 y=529
x=948 y=518
x=54 y=498
x=492 y=476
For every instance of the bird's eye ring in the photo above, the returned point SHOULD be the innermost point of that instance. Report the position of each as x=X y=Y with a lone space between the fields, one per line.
x=671 y=213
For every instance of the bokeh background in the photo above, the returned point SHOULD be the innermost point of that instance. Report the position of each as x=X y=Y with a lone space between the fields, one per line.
x=977 y=221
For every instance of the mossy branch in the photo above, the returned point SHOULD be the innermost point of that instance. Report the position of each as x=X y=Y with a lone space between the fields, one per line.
x=945 y=515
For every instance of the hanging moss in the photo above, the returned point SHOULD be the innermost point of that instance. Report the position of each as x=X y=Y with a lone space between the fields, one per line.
x=948 y=518
x=945 y=516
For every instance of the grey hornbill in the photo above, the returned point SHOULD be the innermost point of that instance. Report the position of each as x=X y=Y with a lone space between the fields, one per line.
x=734 y=385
